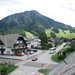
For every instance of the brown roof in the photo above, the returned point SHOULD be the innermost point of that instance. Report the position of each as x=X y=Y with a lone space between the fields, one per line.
x=53 y=39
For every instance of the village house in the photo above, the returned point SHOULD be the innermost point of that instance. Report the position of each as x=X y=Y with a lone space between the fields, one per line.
x=9 y=41
x=15 y=43
x=52 y=41
x=19 y=46
x=33 y=42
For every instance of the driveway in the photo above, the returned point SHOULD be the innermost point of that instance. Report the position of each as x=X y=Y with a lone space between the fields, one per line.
x=24 y=70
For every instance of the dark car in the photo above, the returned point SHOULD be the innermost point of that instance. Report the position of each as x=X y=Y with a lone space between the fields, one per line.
x=34 y=50
x=31 y=52
x=65 y=45
x=34 y=59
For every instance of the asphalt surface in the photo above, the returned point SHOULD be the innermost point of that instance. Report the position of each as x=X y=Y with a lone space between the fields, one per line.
x=26 y=66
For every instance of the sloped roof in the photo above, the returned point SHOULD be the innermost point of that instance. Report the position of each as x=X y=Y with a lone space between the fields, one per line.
x=65 y=69
x=54 y=39
x=1 y=43
x=9 y=39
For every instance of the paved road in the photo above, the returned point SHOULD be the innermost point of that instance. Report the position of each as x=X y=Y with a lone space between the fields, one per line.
x=60 y=47
x=27 y=67
x=24 y=70
x=35 y=64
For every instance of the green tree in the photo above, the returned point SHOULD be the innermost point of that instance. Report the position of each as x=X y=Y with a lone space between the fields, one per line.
x=53 y=35
x=23 y=34
x=55 y=30
x=72 y=46
x=44 y=41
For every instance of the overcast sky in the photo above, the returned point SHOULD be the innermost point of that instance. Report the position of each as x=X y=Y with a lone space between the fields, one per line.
x=59 y=10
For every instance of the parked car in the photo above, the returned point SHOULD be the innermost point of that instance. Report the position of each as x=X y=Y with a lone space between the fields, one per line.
x=65 y=45
x=52 y=50
x=31 y=52
x=20 y=54
x=34 y=50
x=34 y=59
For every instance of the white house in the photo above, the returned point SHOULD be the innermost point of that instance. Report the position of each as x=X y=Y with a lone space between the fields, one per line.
x=34 y=42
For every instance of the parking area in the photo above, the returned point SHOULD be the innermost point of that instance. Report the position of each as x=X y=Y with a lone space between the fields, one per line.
x=28 y=66
x=35 y=64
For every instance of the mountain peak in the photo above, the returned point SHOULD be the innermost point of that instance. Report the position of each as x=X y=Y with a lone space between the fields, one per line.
x=32 y=11
x=31 y=21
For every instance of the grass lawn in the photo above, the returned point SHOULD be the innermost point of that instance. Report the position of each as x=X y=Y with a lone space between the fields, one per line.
x=9 y=69
x=56 y=58
x=43 y=70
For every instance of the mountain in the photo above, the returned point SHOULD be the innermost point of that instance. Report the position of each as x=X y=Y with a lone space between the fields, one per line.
x=31 y=21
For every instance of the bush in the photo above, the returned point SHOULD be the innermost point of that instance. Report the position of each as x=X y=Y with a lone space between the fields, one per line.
x=58 y=57
x=3 y=71
x=43 y=70
x=48 y=46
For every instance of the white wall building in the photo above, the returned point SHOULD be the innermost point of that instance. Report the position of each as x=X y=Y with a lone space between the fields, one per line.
x=34 y=42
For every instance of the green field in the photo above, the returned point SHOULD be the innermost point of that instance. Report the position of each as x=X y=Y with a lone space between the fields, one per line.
x=62 y=33
x=25 y=33
x=48 y=31
x=28 y=34
x=65 y=34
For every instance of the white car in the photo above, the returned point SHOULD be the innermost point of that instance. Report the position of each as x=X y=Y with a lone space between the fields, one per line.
x=53 y=48
x=52 y=51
